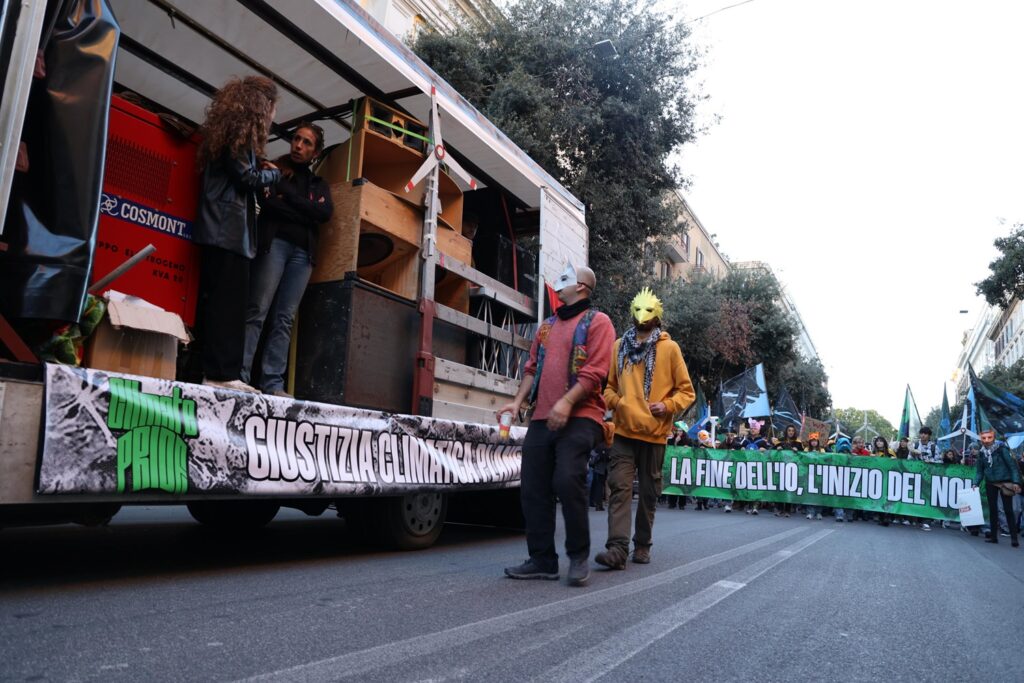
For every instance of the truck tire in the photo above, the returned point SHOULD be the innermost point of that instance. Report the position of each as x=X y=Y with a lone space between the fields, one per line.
x=412 y=522
x=240 y=514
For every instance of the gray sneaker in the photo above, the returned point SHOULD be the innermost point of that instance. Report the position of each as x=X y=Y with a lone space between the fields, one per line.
x=532 y=570
x=579 y=571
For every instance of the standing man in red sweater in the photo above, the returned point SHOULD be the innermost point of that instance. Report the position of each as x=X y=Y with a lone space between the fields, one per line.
x=563 y=379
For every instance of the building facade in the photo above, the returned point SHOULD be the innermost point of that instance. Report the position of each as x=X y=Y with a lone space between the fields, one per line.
x=693 y=253
x=805 y=345
x=405 y=17
x=997 y=338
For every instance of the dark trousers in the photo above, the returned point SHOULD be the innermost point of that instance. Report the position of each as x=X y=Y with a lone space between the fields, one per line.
x=994 y=492
x=629 y=459
x=224 y=282
x=555 y=464
x=597 y=482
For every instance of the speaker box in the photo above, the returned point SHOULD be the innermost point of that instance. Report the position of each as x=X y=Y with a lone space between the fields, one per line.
x=377 y=227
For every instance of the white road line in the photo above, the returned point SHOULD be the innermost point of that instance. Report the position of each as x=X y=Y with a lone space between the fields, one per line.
x=603 y=658
x=370 y=659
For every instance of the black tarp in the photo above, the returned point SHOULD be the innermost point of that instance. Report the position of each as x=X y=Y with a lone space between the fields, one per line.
x=51 y=222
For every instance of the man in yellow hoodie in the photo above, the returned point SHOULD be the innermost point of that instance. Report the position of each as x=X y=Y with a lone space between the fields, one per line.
x=648 y=384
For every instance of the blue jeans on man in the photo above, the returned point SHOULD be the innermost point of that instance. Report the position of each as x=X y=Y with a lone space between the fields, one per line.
x=279 y=278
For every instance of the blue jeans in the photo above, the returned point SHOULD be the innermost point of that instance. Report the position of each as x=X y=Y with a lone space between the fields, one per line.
x=279 y=278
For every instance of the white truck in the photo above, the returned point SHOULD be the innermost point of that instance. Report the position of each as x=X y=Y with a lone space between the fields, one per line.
x=413 y=329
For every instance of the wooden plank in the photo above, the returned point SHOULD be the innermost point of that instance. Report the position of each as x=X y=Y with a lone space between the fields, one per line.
x=457 y=373
x=476 y=398
x=503 y=293
x=447 y=410
x=450 y=315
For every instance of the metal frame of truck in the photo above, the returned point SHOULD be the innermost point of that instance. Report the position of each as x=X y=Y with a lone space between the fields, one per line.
x=324 y=56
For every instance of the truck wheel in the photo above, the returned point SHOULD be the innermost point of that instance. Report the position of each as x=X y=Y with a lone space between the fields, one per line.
x=412 y=522
x=240 y=514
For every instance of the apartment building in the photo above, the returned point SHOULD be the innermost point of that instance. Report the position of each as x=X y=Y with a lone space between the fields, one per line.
x=692 y=253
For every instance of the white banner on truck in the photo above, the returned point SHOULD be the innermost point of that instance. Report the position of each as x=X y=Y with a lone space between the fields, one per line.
x=106 y=433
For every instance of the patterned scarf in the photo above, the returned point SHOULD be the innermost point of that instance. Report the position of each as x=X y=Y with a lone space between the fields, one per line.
x=633 y=353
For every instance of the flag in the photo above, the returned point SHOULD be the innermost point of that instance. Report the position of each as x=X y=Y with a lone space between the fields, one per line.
x=744 y=396
x=785 y=413
x=945 y=423
x=997 y=409
x=910 y=422
x=699 y=412
x=757 y=401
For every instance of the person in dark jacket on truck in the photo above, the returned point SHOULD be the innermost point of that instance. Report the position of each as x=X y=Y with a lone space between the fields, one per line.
x=290 y=218
x=235 y=131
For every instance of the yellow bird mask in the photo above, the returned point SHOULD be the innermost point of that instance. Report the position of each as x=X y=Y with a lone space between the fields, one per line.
x=645 y=306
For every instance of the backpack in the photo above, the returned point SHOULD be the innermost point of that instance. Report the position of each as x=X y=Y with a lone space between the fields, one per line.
x=577 y=358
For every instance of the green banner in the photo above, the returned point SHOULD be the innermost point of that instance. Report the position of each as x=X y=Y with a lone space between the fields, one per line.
x=901 y=487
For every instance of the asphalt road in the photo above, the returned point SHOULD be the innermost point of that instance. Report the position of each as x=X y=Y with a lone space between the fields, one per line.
x=154 y=597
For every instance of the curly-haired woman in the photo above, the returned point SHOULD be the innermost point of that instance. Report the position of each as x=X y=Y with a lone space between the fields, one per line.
x=238 y=121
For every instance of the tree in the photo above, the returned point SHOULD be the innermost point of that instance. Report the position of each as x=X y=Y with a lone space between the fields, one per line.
x=1006 y=281
x=807 y=383
x=602 y=126
x=1009 y=379
x=853 y=419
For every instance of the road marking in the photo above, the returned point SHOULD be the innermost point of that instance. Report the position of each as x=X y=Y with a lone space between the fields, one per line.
x=362 y=661
x=606 y=656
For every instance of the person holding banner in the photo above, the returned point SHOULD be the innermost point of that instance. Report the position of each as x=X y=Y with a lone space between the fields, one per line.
x=1002 y=478
x=563 y=377
x=648 y=383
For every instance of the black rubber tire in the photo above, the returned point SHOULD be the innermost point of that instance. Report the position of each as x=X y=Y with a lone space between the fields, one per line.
x=233 y=514
x=412 y=522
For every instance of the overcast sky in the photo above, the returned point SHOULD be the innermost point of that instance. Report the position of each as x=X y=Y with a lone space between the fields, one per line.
x=870 y=151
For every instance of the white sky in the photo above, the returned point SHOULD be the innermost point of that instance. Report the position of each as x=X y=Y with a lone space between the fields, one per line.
x=869 y=150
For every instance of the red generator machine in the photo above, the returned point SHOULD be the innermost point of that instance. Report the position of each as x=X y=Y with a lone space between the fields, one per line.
x=150 y=193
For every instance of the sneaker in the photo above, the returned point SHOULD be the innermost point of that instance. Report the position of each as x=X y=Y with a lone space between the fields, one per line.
x=810 y=516
x=925 y=526
x=642 y=555
x=754 y=511
x=945 y=524
x=613 y=559
x=532 y=570
x=786 y=515
x=747 y=511
x=728 y=508
x=839 y=519
x=906 y=522
x=1004 y=534
x=817 y=516
x=233 y=385
x=579 y=571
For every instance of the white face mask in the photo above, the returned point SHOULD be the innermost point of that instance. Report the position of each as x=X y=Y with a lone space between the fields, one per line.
x=566 y=279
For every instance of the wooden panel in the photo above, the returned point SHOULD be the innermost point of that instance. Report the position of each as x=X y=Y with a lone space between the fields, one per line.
x=478 y=326
x=447 y=410
x=390 y=215
x=503 y=293
x=338 y=243
x=457 y=373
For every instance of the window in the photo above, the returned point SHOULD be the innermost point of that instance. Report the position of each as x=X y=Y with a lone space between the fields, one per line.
x=700 y=258
x=684 y=240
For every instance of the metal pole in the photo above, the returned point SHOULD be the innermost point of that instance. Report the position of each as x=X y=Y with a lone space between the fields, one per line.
x=122 y=269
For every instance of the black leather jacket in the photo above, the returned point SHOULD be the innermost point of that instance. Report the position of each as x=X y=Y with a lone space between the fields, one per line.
x=227 y=203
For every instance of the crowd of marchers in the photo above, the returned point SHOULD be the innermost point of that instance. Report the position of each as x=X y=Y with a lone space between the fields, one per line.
x=992 y=461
